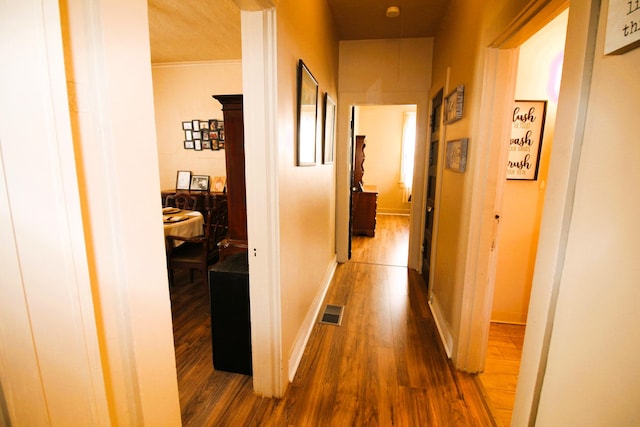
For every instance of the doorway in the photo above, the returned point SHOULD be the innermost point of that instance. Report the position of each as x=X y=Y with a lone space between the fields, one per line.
x=540 y=60
x=384 y=148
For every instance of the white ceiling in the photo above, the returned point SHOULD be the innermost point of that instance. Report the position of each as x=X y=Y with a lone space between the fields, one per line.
x=207 y=30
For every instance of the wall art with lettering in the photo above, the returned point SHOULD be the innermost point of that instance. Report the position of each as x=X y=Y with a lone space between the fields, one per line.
x=526 y=139
x=623 y=26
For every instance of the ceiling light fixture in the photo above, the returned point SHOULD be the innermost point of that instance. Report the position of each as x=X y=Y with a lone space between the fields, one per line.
x=393 y=12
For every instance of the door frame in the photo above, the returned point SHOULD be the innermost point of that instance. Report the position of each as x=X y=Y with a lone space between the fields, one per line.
x=556 y=219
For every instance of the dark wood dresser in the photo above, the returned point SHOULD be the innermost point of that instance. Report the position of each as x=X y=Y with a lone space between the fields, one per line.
x=365 y=204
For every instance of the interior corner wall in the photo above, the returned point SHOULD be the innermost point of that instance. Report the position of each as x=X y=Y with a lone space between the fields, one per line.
x=183 y=92
x=383 y=126
x=305 y=30
x=539 y=70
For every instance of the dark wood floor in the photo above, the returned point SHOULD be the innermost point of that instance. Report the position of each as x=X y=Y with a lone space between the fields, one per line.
x=383 y=367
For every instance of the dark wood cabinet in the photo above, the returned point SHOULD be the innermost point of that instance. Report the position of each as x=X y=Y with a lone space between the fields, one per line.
x=365 y=204
x=358 y=163
x=236 y=184
x=205 y=198
x=364 y=198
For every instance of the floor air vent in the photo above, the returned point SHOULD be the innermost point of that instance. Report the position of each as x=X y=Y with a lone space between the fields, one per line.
x=332 y=315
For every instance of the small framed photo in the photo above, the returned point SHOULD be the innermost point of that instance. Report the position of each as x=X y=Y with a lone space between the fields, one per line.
x=204 y=124
x=205 y=135
x=220 y=125
x=219 y=184
x=214 y=134
x=453 y=104
x=188 y=145
x=456 y=155
x=220 y=144
x=221 y=135
x=197 y=134
x=187 y=126
x=206 y=144
x=213 y=124
x=183 y=180
x=197 y=144
x=215 y=144
x=199 y=183
x=188 y=135
x=195 y=124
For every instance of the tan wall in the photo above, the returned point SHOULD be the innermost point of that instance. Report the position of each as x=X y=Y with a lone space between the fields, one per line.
x=522 y=199
x=383 y=126
x=307 y=194
x=473 y=25
x=183 y=92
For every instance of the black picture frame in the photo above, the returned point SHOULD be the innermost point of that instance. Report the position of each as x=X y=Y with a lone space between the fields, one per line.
x=307 y=116
x=329 y=129
x=199 y=183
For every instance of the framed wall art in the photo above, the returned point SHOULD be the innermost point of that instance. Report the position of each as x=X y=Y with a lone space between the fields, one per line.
x=199 y=183
x=525 y=140
x=183 y=180
x=456 y=155
x=307 y=116
x=453 y=104
x=329 y=129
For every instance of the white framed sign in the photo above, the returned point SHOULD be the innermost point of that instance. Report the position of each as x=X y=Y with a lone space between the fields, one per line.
x=623 y=26
x=526 y=139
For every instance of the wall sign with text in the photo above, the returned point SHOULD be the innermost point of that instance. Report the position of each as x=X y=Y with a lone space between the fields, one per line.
x=623 y=26
x=526 y=139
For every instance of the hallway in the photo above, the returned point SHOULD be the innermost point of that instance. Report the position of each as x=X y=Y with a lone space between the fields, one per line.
x=383 y=366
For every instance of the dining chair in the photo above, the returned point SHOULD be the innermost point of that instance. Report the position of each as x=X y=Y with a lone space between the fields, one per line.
x=182 y=201
x=198 y=253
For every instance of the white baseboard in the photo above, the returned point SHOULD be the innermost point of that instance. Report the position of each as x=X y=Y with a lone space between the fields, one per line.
x=442 y=326
x=302 y=338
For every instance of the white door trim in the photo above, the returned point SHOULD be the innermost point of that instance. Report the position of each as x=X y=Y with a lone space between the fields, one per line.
x=259 y=82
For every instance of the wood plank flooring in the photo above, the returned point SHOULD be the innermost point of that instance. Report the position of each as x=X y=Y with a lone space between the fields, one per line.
x=500 y=377
x=384 y=366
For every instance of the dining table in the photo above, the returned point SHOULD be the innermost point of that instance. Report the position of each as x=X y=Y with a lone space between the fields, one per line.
x=182 y=223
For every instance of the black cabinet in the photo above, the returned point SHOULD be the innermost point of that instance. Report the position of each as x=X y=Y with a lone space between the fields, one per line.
x=230 y=316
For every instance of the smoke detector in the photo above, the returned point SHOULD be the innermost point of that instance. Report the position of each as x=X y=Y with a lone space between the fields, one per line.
x=393 y=12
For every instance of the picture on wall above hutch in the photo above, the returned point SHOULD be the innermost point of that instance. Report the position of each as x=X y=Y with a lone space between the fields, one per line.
x=202 y=135
x=525 y=141
x=307 y=116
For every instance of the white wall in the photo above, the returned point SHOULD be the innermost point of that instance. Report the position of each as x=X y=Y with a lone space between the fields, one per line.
x=383 y=72
x=383 y=126
x=183 y=92
x=86 y=277
x=592 y=376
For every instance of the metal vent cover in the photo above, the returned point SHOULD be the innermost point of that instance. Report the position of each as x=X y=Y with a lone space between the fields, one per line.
x=332 y=315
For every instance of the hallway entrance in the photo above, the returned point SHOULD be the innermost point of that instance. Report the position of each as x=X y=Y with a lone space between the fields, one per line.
x=384 y=365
